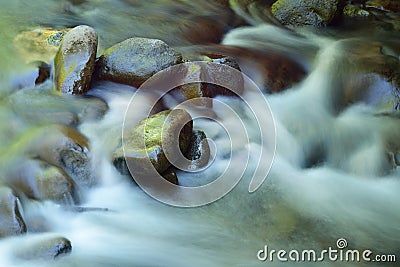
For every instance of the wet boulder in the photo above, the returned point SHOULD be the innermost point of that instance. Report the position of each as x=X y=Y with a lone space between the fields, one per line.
x=303 y=12
x=43 y=248
x=11 y=221
x=68 y=149
x=74 y=61
x=135 y=60
x=150 y=140
x=41 y=181
x=198 y=151
x=211 y=71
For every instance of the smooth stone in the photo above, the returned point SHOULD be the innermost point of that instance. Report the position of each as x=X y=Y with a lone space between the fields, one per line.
x=60 y=109
x=11 y=221
x=75 y=59
x=41 y=181
x=135 y=60
x=304 y=12
x=148 y=142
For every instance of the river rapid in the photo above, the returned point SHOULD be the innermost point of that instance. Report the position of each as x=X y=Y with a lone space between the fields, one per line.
x=331 y=177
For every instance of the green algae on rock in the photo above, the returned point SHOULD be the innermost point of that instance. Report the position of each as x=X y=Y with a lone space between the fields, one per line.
x=39 y=44
x=303 y=12
x=74 y=61
x=135 y=60
x=146 y=145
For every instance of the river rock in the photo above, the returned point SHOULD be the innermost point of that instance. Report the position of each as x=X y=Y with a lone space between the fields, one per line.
x=39 y=44
x=41 y=181
x=44 y=248
x=68 y=149
x=151 y=139
x=202 y=91
x=11 y=221
x=135 y=60
x=199 y=150
x=304 y=12
x=74 y=61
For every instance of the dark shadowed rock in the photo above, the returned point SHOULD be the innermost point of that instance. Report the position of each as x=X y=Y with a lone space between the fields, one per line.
x=305 y=12
x=44 y=248
x=41 y=181
x=11 y=221
x=170 y=176
x=135 y=60
x=199 y=150
x=74 y=61
x=148 y=142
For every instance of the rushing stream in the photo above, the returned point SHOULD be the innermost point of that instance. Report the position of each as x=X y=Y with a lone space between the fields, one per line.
x=331 y=177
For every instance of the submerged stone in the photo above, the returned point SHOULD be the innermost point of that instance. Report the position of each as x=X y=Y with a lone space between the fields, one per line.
x=135 y=60
x=44 y=248
x=11 y=221
x=74 y=61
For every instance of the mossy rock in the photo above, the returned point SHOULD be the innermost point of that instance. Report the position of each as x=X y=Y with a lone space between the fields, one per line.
x=39 y=44
x=148 y=142
x=74 y=61
x=305 y=12
x=135 y=60
x=354 y=11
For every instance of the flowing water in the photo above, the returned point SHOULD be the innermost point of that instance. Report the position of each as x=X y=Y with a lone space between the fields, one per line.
x=330 y=178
